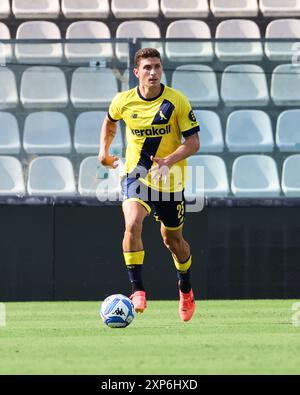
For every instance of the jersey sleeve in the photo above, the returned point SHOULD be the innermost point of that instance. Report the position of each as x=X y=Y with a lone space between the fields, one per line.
x=187 y=121
x=114 y=111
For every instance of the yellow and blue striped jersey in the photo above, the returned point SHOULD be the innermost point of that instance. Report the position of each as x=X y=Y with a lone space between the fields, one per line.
x=154 y=127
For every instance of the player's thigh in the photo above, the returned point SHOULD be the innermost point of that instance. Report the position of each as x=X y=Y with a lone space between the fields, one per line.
x=135 y=200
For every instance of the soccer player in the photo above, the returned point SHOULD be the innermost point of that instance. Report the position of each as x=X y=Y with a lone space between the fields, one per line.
x=156 y=118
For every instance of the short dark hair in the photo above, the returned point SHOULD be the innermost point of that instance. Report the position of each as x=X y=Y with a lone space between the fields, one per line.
x=145 y=53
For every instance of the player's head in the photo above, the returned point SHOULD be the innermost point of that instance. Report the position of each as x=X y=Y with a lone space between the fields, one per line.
x=145 y=53
x=148 y=66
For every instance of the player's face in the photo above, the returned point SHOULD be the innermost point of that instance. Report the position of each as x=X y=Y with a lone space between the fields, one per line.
x=149 y=72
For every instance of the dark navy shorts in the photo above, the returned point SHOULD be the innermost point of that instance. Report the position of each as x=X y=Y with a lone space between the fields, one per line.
x=169 y=207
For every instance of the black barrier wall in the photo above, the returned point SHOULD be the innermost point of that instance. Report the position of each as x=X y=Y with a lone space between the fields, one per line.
x=73 y=252
x=89 y=260
x=26 y=252
x=253 y=252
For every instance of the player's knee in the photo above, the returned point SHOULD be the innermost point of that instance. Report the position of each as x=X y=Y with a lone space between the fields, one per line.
x=133 y=228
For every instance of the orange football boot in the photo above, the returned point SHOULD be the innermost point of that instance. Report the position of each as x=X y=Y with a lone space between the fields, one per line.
x=186 y=305
x=138 y=299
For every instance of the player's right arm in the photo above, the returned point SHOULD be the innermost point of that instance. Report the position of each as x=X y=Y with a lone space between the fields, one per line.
x=108 y=132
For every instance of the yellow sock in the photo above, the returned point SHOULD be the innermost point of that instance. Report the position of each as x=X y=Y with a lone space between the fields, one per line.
x=134 y=258
x=182 y=266
x=134 y=263
x=183 y=274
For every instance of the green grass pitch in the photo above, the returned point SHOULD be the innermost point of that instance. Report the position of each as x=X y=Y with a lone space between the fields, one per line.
x=224 y=337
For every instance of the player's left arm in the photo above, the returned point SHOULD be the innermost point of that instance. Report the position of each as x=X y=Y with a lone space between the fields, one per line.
x=162 y=165
x=189 y=147
x=189 y=128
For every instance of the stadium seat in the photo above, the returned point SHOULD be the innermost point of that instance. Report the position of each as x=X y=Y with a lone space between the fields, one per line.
x=282 y=28
x=280 y=8
x=244 y=85
x=290 y=180
x=285 y=85
x=96 y=180
x=135 y=9
x=249 y=131
x=43 y=86
x=11 y=176
x=237 y=50
x=5 y=49
x=37 y=52
x=288 y=131
x=9 y=134
x=51 y=176
x=184 y=9
x=198 y=83
x=210 y=131
x=189 y=51
x=215 y=182
x=4 y=9
x=87 y=134
x=137 y=29
x=47 y=132
x=78 y=9
x=125 y=80
x=8 y=91
x=255 y=176
x=234 y=8
x=83 y=52
x=91 y=172
x=37 y=9
x=93 y=87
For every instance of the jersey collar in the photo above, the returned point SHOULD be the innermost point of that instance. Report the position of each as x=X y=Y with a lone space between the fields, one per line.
x=162 y=87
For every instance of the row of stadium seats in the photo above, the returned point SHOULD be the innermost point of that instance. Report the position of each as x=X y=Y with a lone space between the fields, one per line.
x=195 y=29
x=241 y=85
x=181 y=28
x=251 y=176
x=246 y=131
x=147 y=8
x=48 y=132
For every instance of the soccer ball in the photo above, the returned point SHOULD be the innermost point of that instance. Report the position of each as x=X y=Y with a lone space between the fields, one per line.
x=117 y=311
